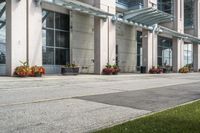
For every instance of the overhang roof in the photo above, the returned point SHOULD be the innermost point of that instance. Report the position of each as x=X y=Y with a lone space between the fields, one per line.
x=179 y=35
x=146 y=16
x=80 y=7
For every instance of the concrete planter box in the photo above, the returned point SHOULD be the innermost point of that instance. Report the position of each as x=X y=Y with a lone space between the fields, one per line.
x=69 y=71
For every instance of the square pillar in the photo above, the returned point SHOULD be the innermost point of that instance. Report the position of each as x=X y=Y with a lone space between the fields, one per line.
x=105 y=37
x=16 y=48
x=196 y=57
x=149 y=49
x=178 y=44
x=178 y=54
x=149 y=43
x=196 y=47
x=34 y=33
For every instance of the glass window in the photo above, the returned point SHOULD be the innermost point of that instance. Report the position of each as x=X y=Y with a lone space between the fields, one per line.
x=188 y=13
x=48 y=56
x=62 y=39
x=55 y=38
x=139 y=48
x=164 y=51
x=3 y=32
x=62 y=56
x=166 y=6
x=48 y=37
x=62 y=21
x=188 y=54
x=48 y=19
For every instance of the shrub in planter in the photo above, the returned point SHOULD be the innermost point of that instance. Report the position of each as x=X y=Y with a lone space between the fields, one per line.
x=155 y=70
x=107 y=71
x=37 y=71
x=116 y=69
x=70 y=69
x=111 y=69
x=184 y=70
x=190 y=67
x=24 y=70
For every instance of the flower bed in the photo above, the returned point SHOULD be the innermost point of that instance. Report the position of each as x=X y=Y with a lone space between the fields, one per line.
x=70 y=69
x=111 y=70
x=184 y=70
x=155 y=70
x=25 y=71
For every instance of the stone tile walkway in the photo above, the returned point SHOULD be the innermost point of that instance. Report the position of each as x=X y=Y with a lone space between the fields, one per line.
x=76 y=104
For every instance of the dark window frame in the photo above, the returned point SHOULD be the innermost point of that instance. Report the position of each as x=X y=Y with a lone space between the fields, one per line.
x=55 y=28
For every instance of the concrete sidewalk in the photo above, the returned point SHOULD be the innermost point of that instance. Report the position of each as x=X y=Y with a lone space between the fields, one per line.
x=85 y=103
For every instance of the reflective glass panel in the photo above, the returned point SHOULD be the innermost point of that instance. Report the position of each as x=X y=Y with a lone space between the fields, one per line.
x=166 y=6
x=48 y=37
x=48 y=56
x=62 y=21
x=62 y=56
x=48 y=19
x=3 y=32
x=62 y=39
x=164 y=51
x=188 y=54
x=55 y=38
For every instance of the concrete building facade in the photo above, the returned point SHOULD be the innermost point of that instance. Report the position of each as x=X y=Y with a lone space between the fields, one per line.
x=92 y=33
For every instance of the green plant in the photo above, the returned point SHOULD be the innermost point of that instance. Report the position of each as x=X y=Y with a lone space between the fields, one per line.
x=71 y=65
x=108 y=65
x=111 y=69
x=190 y=66
x=184 y=70
x=37 y=70
x=24 y=70
x=155 y=70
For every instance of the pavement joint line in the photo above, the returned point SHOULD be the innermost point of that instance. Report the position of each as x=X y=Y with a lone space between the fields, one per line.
x=34 y=102
x=145 y=115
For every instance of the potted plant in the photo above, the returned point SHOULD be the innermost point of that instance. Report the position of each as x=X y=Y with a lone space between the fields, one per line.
x=155 y=70
x=184 y=70
x=116 y=69
x=110 y=69
x=70 y=69
x=190 y=67
x=23 y=70
x=37 y=71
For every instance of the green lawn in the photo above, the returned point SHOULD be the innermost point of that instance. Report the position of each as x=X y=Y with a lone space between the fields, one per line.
x=184 y=119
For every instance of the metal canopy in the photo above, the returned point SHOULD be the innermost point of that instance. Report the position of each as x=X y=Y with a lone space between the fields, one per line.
x=2 y=11
x=146 y=16
x=179 y=35
x=80 y=7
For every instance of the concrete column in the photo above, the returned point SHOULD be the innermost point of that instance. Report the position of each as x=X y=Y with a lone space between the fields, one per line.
x=178 y=54
x=105 y=40
x=196 y=47
x=149 y=43
x=34 y=35
x=16 y=34
x=178 y=44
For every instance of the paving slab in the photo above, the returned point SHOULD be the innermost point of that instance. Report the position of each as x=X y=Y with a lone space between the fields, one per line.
x=155 y=99
x=63 y=116
x=87 y=102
